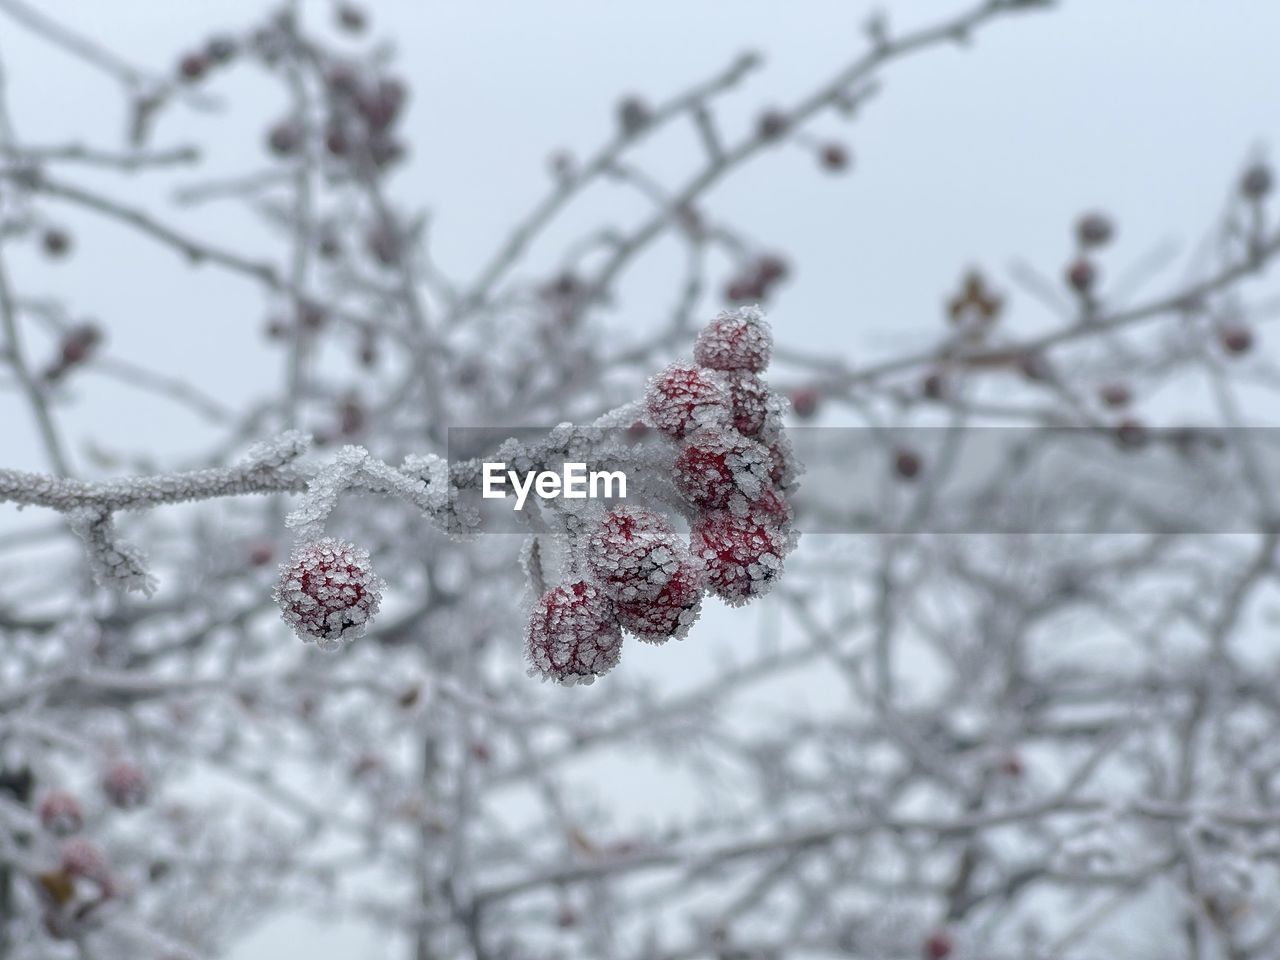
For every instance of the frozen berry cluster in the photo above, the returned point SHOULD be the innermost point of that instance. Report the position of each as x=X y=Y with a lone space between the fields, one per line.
x=733 y=467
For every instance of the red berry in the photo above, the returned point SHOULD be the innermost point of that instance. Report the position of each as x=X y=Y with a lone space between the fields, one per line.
x=683 y=398
x=632 y=553
x=804 y=402
x=749 y=401
x=1236 y=338
x=125 y=785
x=328 y=592
x=1256 y=182
x=220 y=49
x=335 y=140
x=785 y=470
x=384 y=242
x=771 y=268
x=56 y=242
x=675 y=608
x=634 y=115
x=1011 y=765
x=1115 y=395
x=743 y=554
x=744 y=290
x=342 y=79
x=1131 y=433
x=81 y=858
x=1094 y=230
x=772 y=124
x=285 y=138
x=735 y=340
x=938 y=946
x=79 y=343
x=60 y=813
x=771 y=507
x=573 y=635
x=381 y=105
x=260 y=553
x=351 y=18
x=834 y=157
x=934 y=386
x=716 y=467
x=907 y=464
x=193 y=67
x=1082 y=275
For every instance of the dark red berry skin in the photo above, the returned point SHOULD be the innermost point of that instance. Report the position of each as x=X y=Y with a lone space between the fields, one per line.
x=1236 y=339
x=193 y=67
x=1082 y=276
x=804 y=402
x=834 y=158
x=1256 y=182
x=1116 y=395
x=772 y=124
x=56 y=242
x=1094 y=230
x=938 y=946
x=907 y=464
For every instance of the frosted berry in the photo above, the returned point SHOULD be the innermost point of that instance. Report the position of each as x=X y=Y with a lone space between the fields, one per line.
x=1115 y=395
x=772 y=124
x=1094 y=230
x=683 y=398
x=749 y=402
x=79 y=343
x=56 y=242
x=673 y=611
x=384 y=243
x=907 y=464
x=1256 y=182
x=633 y=553
x=770 y=508
x=82 y=858
x=125 y=785
x=934 y=386
x=735 y=340
x=834 y=157
x=285 y=138
x=193 y=67
x=60 y=813
x=634 y=115
x=743 y=554
x=351 y=18
x=1236 y=338
x=771 y=268
x=784 y=469
x=573 y=635
x=804 y=402
x=938 y=946
x=1082 y=276
x=328 y=592
x=716 y=466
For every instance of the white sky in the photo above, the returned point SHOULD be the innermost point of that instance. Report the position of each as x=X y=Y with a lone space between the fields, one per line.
x=1146 y=108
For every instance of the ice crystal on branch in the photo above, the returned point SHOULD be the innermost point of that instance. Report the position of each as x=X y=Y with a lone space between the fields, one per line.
x=328 y=592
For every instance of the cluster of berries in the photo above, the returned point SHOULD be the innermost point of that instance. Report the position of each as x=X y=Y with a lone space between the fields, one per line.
x=82 y=880
x=360 y=126
x=733 y=467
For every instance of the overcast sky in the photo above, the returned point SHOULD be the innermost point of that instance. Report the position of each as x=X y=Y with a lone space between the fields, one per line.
x=1144 y=108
